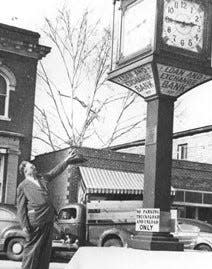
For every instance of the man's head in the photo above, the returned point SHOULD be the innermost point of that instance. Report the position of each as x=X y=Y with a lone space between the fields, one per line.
x=27 y=169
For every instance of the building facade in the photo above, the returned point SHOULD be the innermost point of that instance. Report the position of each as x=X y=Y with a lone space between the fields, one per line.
x=109 y=175
x=106 y=175
x=19 y=54
x=193 y=145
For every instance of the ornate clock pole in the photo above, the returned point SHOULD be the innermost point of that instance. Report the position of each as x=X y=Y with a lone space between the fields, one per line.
x=164 y=50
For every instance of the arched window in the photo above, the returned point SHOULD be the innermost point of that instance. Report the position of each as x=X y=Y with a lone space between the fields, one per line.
x=3 y=97
x=7 y=84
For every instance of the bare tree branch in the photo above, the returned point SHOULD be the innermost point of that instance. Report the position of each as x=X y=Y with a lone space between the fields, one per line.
x=45 y=142
x=83 y=52
x=127 y=130
x=54 y=100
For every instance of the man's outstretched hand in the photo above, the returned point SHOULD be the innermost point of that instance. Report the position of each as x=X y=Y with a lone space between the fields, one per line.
x=75 y=158
x=72 y=154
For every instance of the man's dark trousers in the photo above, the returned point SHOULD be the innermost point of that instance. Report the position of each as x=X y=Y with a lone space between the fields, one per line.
x=37 y=251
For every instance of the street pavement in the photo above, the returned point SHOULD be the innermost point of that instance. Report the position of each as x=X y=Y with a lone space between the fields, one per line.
x=124 y=258
x=4 y=264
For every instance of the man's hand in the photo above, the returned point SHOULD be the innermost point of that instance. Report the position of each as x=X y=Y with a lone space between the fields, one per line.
x=72 y=154
x=75 y=158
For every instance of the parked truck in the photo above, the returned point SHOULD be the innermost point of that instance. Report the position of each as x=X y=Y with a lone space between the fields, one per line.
x=96 y=223
x=107 y=223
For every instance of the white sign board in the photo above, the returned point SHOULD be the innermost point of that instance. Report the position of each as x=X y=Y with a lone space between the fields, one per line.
x=176 y=81
x=140 y=80
x=173 y=214
x=148 y=220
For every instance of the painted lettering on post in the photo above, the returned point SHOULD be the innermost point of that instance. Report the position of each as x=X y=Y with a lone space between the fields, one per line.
x=148 y=220
x=140 y=80
x=176 y=81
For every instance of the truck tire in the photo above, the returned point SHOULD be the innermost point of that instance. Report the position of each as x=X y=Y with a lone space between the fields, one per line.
x=113 y=242
x=203 y=247
x=15 y=248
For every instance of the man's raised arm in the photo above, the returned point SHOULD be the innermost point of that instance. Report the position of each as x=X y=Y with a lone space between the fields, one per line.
x=73 y=158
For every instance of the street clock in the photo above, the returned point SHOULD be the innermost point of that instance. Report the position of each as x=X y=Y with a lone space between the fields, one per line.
x=163 y=47
x=163 y=50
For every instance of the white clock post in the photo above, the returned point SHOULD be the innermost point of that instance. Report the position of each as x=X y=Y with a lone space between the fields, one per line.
x=162 y=50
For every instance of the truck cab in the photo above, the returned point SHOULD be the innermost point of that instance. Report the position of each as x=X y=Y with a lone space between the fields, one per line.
x=70 y=227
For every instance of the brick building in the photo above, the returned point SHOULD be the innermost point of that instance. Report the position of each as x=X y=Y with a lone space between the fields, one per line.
x=105 y=175
x=115 y=175
x=192 y=145
x=19 y=54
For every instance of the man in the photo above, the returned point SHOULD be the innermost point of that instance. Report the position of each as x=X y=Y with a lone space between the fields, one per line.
x=36 y=212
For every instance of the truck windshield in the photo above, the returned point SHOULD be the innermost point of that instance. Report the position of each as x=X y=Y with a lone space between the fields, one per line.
x=68 y=213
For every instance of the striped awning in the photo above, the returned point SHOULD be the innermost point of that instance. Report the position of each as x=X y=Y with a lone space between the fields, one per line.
x=109 y=181
x=103 y=181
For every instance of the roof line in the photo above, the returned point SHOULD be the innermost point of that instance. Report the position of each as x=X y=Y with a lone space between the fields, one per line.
x=185 y=133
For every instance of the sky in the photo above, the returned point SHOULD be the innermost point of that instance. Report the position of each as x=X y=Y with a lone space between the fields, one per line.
x=195 y=105
x=30 y=14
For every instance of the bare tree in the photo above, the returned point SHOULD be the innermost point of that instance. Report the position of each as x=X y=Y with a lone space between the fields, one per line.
x=73 y=109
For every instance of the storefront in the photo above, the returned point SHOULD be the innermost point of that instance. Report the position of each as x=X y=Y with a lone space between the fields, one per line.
x=194 y=204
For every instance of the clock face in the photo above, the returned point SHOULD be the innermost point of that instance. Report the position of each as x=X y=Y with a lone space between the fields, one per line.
x=183 y=24
x=138 y=24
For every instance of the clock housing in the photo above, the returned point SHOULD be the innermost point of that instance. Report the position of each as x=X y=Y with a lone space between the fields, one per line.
x=184 y=28
x=173 y=28
x=164 y=47
x=138 y=26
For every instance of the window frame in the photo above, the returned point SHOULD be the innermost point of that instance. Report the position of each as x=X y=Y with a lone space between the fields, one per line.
x=182 y=151
x=10 y=79
x=7 y=99
x=2 y=173
x=67 y=220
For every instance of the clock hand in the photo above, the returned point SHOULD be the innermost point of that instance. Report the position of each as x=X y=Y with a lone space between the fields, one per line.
x=183 y=23
x=191 y=24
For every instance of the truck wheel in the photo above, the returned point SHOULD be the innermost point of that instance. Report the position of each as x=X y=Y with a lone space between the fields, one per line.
x=14 y=250
x=203 y=247
x=113 y=242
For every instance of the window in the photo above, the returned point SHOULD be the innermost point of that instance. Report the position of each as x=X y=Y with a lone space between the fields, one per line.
x=68 y=214
x=190 y=212
x=203 y=226
x=7 y=215
x=182 y=152
x=3 y=97
x=2 y=168
x=7 y=84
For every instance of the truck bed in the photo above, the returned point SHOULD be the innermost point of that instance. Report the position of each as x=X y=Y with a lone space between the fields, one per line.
x=107 y=215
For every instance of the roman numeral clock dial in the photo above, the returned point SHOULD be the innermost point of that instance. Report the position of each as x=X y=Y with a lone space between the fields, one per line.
x=183 y=24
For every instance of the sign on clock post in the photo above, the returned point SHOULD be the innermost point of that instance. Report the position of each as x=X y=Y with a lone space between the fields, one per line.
x=164 y=50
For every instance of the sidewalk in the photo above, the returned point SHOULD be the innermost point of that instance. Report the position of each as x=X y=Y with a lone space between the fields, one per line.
x=60 y=261
x=126 y=258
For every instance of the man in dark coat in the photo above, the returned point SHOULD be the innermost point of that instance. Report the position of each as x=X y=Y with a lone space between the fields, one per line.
x=36 y=212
